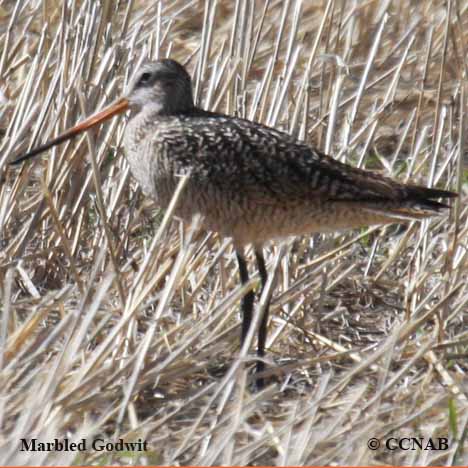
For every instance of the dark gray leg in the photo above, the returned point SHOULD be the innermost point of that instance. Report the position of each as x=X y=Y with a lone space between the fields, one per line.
x=262 y=331
x=247 y=300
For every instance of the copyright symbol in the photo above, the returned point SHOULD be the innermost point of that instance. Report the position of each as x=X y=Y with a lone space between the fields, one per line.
x=373 y=443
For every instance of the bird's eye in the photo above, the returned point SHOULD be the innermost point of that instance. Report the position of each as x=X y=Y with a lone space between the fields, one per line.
x=144 y=79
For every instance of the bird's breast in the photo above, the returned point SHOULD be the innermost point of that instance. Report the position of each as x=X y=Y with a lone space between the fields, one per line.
x=148 y=144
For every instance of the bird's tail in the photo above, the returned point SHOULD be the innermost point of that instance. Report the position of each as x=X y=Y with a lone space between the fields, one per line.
x=414 y=202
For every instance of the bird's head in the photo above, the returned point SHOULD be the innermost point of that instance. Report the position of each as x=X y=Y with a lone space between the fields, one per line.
x=163 y=86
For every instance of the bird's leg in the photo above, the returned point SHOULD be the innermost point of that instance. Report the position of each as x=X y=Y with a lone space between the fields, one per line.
x=248 y=299
x=262 y=331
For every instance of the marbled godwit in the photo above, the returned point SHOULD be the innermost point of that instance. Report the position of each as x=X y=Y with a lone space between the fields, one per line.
x=249 y=182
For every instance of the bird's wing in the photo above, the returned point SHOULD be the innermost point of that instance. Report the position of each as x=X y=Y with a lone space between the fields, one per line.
x=270 y=166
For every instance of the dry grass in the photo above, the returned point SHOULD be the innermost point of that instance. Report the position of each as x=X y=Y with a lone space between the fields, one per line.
x=118 y=323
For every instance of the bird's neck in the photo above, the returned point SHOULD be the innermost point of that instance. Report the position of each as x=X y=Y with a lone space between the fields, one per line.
x=152 y=112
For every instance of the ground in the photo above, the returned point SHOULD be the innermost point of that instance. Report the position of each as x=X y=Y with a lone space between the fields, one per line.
x=118 y=322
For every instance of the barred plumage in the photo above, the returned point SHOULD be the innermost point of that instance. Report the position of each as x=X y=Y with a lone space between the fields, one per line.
x=248 y=181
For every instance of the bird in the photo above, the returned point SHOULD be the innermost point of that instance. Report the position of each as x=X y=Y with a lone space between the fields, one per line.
x=246 y=181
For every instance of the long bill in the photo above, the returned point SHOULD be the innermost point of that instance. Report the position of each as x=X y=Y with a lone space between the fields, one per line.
x=117 y=107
